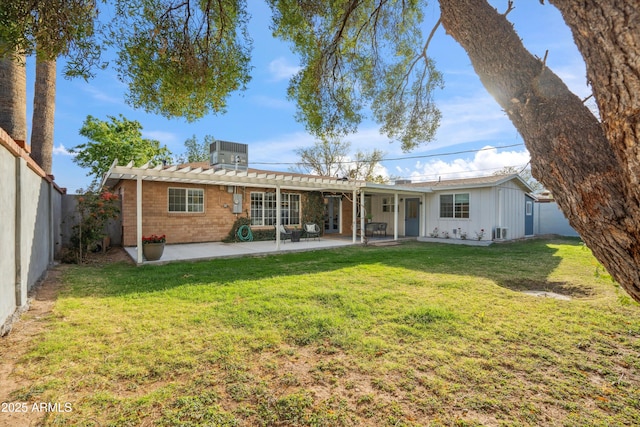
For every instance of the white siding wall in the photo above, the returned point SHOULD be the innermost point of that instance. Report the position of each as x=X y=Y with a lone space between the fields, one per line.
x=379 y=216
x=512 y=214
x=482 y=203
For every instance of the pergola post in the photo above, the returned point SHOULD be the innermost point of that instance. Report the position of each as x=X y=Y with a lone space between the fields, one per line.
x=362 y=215
x=139 y=218
x=354 y=216
x=395 y=216
x=278 y=216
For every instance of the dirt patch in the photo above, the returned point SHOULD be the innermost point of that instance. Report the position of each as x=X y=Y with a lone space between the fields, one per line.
x=548 y=289
x=112 y=255
x=30 y=324
x=17 y=343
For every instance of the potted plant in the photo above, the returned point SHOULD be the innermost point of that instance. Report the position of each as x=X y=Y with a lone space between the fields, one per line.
x=153 y=246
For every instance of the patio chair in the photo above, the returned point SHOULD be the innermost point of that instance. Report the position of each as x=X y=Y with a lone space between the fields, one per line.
x=312 y=230
x=284 y=232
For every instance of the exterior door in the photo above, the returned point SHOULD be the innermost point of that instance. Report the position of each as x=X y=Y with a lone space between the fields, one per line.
x=332 y=215
x=528 y=216
x=411 y=217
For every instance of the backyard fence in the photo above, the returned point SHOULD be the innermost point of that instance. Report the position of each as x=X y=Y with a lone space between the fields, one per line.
x=30 y=218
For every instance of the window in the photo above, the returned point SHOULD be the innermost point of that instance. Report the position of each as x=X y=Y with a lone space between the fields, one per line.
x=388 y=204
x=186 y=200
x=263 y=208
x=529 y=210
x=454 y=205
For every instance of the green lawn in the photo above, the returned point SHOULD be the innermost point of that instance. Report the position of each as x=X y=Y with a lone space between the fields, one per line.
x=415 y=334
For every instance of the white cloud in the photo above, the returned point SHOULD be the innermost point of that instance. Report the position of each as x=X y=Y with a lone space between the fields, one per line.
x=281 y=69
x=485 y=162
x=102 y=96
x=61 y=150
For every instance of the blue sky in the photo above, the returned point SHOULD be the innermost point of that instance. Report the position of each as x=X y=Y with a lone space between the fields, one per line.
x=262 y=116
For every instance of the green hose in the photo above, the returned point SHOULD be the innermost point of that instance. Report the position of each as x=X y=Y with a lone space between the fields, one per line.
x=245 y=237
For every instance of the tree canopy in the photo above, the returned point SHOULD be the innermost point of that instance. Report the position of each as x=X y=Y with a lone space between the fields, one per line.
x=357 y=55
x=196 y=151
x=181 y=59
x=117 y=138
x=332 y=157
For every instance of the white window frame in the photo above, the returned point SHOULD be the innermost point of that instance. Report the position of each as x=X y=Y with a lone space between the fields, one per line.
x=189 y=201
x=262 y=208
x=456 y=212
x=388 y=204
x=529 y=208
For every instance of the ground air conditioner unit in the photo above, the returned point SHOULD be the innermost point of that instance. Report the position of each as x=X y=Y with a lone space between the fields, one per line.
x=229 y=155
x=501 y=233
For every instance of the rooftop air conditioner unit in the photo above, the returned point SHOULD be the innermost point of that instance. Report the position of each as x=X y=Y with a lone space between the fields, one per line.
x=229 y=155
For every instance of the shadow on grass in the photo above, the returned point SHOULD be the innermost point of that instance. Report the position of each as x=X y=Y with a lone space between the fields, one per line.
x=517 y=266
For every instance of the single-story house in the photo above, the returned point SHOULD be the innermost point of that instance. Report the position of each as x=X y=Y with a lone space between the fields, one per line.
x=200 y=202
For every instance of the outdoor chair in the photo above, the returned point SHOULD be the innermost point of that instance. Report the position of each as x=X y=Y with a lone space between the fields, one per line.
x=382 y=228
x=284 y=232
x=312 y=230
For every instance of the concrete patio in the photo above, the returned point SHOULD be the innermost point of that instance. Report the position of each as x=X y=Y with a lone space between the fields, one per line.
x=211 y=250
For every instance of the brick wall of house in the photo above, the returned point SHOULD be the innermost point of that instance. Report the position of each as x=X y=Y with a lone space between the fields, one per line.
x=211 y=225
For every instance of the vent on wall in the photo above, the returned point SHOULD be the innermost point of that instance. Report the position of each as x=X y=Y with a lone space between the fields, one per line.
x=229 y=155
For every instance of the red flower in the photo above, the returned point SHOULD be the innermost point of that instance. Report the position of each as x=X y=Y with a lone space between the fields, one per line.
x=154 y=238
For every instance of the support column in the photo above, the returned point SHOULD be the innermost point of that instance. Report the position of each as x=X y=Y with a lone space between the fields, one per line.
x=278 y=216
x=362 y=215
x=52 y=240
x=139 y=219
x=354 y=217
x=395 y=216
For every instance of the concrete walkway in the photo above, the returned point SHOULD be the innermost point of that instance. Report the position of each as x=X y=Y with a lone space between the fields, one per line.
x=200 y=251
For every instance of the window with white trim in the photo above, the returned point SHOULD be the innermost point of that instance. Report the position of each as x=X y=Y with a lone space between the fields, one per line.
x=186 y=200
x=263 y=208
x=388 y=204
x=454 y=205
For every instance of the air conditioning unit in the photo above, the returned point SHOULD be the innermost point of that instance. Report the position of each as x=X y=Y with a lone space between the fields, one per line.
x=501 y=233
x=229 y=155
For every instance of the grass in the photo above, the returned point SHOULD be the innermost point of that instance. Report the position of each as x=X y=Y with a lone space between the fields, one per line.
x=416 y=334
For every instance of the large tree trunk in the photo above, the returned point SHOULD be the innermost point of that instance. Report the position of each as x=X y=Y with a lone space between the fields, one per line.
x=43 y=113
x=592 y=168
x=13 y=97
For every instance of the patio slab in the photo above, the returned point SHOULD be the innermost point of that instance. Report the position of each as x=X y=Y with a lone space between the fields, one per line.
x=211 y=250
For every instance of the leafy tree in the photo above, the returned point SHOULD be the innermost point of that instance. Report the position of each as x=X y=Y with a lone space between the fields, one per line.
x=372 y=53
x=196 y=151
x=525 y=174
x=94 y=210
x=329 y=156
x=119 y=139
x=182 y=59
x=48 y=28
